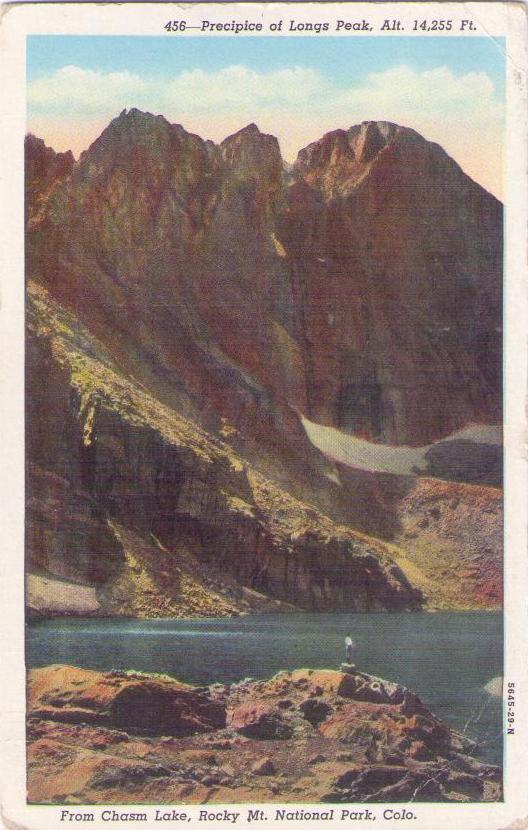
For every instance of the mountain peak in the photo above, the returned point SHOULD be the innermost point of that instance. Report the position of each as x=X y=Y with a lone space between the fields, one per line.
x=136 y=119
x=342 y=158
x=135 y=134
x=250 y=132
x=374 y=220
x=357 y=146
x=44 y=168
x=36 y=145
x=370 y=137
x=253 y=154
x=135 y=114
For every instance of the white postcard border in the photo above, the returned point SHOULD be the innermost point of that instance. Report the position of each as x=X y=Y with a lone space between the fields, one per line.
x=494 y=19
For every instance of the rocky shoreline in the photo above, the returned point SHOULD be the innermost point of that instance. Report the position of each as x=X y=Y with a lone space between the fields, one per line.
x=310 y=735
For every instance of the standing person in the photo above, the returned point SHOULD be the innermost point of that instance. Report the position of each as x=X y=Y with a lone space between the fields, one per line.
x=349 y=643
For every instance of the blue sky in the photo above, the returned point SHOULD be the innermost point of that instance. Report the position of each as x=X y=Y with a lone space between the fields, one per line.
x=342 y=59
x=449 y=88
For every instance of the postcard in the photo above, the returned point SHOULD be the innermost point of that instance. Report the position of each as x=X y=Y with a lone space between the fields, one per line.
x=263 y=320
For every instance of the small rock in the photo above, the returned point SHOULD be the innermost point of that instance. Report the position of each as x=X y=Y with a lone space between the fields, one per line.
x=466 y=784
x=394 y=758
x=420 y=752
x=264 y=766
x=315 y=711
x=316 y=759
x=210 y=780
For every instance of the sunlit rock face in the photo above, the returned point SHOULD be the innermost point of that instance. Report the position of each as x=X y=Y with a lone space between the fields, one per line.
x=162 y=518
x=359 y=289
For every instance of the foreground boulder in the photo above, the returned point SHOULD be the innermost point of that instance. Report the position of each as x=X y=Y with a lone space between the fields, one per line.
x=125 y=701
x=307 y=735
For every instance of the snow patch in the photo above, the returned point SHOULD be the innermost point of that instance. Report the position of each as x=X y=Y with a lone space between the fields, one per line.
x=333 y=475
x=494 y=687
x=279 y=247
x=48 y=595
x=383 y=458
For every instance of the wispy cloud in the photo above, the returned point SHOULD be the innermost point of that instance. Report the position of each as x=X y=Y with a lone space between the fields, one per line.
x=436 y=92
x=88 y=91
x=75 y=91
x=242 y=87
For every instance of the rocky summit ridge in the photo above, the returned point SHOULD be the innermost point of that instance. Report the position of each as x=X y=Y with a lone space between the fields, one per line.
x=360 y=289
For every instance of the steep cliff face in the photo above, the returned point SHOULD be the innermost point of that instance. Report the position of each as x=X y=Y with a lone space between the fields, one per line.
x=128 y=471
x=363 y=289
x=400 y=259
x=360 y=289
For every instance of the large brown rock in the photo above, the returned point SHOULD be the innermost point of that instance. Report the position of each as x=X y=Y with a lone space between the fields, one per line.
x=127 y=702
x=259 y=720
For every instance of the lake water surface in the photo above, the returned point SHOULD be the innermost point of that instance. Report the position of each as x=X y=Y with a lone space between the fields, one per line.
x=446 y=658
